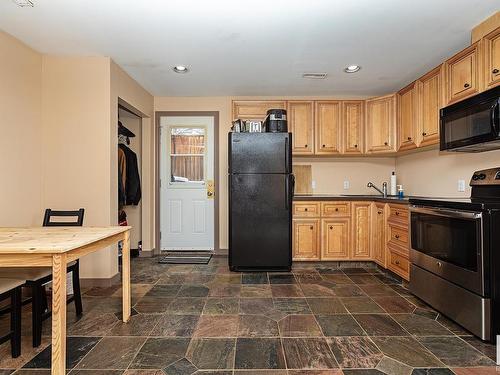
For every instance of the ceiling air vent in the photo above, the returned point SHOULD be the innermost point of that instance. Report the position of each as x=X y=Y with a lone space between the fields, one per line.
x=24 y=3
x=314 y=75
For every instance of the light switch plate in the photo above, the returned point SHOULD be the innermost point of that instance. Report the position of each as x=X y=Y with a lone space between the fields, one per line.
x=313 y=184
x=461 y=185
x=347 y=185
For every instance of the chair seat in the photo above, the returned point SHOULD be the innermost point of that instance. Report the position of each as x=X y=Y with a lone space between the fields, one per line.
x=9 y=284
x=27 y=273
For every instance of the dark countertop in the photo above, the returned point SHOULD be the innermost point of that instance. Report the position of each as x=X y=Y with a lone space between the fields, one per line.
x=337 y=197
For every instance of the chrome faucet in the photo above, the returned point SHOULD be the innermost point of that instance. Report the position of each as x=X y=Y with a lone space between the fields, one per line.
x=383 y=191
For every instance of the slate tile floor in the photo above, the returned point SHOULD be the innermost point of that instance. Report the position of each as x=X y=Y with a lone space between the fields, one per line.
x=203 y=319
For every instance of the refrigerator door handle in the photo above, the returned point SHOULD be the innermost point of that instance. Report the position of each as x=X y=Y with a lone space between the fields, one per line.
x=286 y=155
x=287 y=192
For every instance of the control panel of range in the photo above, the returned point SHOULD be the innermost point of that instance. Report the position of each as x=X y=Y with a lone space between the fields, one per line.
x=486 y=177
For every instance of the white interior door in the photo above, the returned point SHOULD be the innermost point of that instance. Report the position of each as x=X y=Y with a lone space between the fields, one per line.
x=187 y=174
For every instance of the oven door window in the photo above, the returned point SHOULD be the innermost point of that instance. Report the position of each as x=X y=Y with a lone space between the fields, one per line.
x=452 y=240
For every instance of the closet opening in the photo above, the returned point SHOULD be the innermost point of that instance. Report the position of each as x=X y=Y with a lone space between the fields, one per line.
x=130 y=175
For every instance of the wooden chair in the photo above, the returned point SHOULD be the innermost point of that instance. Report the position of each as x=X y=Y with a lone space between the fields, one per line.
x=11 y=288
x=37 y=278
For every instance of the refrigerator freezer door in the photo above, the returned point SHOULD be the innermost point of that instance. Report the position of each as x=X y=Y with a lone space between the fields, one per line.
x=260 y=222
x=260 y=153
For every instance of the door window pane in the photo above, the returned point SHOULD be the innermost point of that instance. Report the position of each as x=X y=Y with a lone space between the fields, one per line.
x=187 y=154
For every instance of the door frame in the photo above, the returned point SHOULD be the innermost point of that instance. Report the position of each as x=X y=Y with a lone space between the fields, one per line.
x=158 y=115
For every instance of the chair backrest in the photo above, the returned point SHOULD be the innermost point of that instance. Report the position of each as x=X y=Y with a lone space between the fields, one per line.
x=49 y=214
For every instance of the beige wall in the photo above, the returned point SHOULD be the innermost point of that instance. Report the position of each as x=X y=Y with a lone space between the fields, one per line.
x=435 y=174
x=328 y=173
x=20 y=129
x=76 y=138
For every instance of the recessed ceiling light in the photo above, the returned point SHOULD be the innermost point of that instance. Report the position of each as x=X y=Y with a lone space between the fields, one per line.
x=180 y=69
x=352 y=69
x=24 y=3
x=314 y=75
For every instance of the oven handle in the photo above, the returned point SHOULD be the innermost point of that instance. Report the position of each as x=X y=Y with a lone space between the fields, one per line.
x=447 y=213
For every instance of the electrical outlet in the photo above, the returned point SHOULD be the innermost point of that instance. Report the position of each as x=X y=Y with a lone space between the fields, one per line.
x=347 y=185
x=461 y=185
x=313 y=184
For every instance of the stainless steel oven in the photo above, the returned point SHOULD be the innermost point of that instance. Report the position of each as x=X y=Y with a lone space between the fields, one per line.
x=450 y=244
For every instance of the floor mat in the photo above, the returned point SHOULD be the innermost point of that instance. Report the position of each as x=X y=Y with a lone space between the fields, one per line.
x=185 y=258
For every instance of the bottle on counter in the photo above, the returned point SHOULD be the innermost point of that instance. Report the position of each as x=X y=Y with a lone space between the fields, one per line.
x=393 y=184
x=401 y=192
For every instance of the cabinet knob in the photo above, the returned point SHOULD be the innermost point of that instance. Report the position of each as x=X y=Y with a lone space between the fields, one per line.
x=323 y=146
x=424 y=134
x=355 y=146
x=396 y=236
x=409 y=138
x=385 y=143
x=397 y=213
x=466 y=85
x=379 y=212
x=336 y=210
x=397 y=262
x=305 y=209
x=495 y=71
x=331 y=227
x=305 y=146
x=311 y=227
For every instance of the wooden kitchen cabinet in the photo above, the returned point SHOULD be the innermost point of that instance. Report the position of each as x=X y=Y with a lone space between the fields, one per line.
x=491 y=61
x=379 y=234
x=430 y=101
x=255 y=109
x=380 y=124
x=407 y=120
x=398 y=263
x=327 y=127
x=335 y=238
x=306 y=242
x=306 y=209
x=462 y=74
x=361 y=230
x=300 y=116
x=353 y=124
x=335 y=208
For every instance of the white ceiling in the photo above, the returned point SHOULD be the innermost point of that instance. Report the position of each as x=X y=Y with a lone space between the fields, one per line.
x=254 y=47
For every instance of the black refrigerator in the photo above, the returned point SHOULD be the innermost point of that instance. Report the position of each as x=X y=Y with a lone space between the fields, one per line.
x=261 y=187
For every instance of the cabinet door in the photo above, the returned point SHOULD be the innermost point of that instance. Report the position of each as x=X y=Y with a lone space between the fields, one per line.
x=306 y=239
x=255 y=109
x=380 y=124
x=491 y=55
x=379 y=234
x=360 y=244
x=430 y=95
x=335 y=238
x=327 y=121
x=300 y=116
x=407 y=117
x=462 y=74
x=353 y=123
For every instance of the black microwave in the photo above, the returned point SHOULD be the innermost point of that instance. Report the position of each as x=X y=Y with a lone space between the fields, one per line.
x=471 y=125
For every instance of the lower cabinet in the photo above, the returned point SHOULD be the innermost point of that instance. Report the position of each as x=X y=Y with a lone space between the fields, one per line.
x=359 y=230
x=306 y=244
x=335 y=238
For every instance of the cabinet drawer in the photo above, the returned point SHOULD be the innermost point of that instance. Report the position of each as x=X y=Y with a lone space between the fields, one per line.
x=309 y=209
x=332 y=209
x=398 y=213
x=398 y=236
x=398 y=264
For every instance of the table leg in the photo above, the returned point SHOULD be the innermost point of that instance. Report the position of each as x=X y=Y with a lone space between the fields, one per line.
x=126 y=276
x=59 y=314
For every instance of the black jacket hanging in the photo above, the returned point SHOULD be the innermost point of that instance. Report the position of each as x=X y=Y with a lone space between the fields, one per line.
x=133 y=181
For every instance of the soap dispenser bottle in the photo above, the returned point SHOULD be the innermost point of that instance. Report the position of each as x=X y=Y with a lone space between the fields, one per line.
x=393 y=184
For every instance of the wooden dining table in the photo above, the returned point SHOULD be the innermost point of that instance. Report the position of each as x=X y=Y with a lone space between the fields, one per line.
x=56 y=247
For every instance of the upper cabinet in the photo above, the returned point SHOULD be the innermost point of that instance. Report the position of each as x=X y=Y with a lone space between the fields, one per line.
x=255 y=109
x=300 y=115
x=353 y=121
x=462 y=74
x=327 y=129
x=430 y=101
x=407 y=119
x=491 y=49
x=380 y=124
